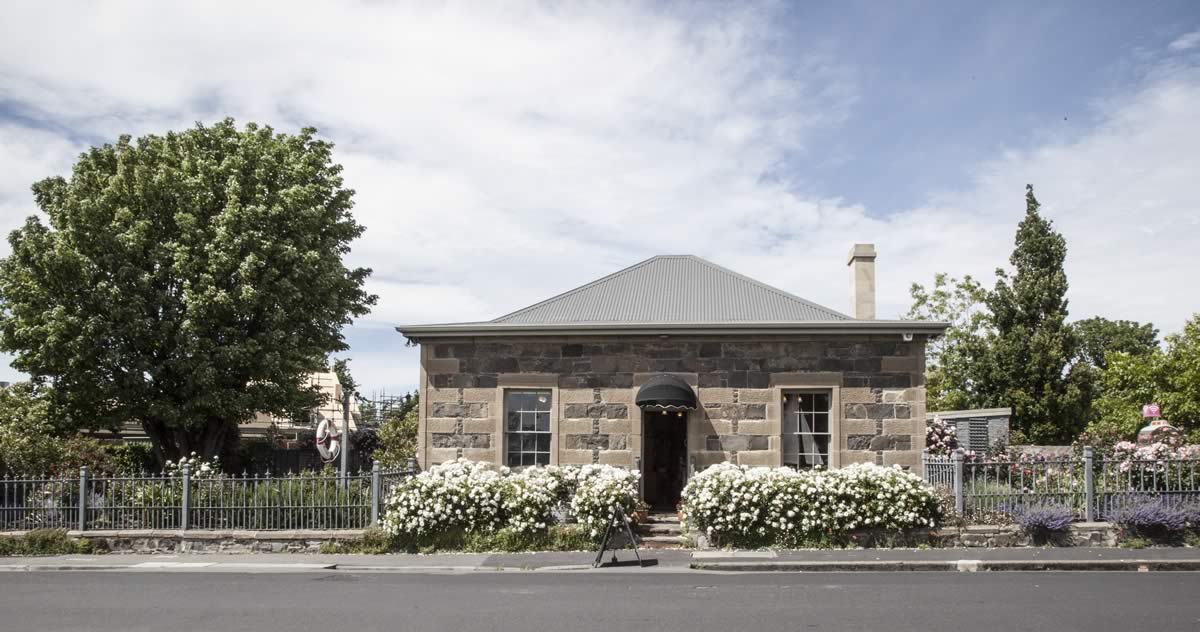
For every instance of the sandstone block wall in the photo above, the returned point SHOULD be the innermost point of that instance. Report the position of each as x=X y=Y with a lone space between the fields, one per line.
x=877 y=381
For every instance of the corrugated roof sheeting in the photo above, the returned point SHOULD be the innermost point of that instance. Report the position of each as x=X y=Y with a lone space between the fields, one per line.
x=673 y=289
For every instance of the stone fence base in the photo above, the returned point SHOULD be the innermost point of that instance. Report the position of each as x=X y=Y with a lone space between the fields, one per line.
x=229 y=541
x=1081 y=534
x=1093 y=534
x=1097 y=534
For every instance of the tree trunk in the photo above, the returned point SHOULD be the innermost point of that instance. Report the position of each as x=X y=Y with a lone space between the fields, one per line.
x=172 y=444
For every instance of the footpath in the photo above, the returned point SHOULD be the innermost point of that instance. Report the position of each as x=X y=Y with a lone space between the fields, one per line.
x=655 y=561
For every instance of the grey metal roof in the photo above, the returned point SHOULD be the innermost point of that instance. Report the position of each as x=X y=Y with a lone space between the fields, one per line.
x=672 y=294
x=673 y=289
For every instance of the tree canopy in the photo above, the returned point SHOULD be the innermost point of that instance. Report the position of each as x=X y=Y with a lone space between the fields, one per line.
x=1099 y=337
x=1170 y=378
x=184 y=282
x=952 y=359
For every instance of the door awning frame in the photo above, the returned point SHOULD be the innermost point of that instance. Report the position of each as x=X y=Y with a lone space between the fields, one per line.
x=666 y=392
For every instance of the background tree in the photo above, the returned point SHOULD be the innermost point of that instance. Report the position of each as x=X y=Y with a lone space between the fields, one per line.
x=1170 y=378
x=1099 y=337
x=184 y=282
x=1026 y=365
x=398 y=433
x=951 y=360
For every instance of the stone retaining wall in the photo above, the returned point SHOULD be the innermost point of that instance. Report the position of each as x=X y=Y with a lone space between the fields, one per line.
x=1090 y=534
x=169 y=541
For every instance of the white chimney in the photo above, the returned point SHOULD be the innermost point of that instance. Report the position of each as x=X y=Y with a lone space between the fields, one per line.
x=862 y=281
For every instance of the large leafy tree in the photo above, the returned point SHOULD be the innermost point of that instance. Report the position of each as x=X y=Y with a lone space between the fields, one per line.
x=1028 y=363
x=952 y=359
x=1099 y=337
x=1170 y=378
x=184 y=282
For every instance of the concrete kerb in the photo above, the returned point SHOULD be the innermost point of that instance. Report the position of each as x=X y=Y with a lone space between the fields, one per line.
x=962 y=566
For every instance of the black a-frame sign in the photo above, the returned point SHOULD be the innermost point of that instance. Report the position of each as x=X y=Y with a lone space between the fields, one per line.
x=618 y=521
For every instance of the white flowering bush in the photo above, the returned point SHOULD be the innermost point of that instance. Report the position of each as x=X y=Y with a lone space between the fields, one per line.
x=532 y=495
x=744 y=506
x=198 y=467
x=461 y=494
x=599 y=490
x=470 y=497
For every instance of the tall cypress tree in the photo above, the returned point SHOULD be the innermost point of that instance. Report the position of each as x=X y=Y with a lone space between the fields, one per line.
x=1027 y=366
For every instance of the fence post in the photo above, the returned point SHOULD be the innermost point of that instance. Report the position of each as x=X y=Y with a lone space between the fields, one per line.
x=411 y=466
x=83 y=484
x=1089 y=485
x=183 y=505
x=957 y=458
x=376 y=490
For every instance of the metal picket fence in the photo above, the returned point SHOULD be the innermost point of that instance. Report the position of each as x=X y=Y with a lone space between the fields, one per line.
x=1098 y=489
x=309 y=500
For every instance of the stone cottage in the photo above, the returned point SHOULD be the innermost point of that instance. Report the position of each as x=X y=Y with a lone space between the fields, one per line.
x=674 y=364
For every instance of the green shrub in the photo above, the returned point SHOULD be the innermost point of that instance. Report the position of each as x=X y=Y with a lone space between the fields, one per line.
x=46 y=542
x=130 y=458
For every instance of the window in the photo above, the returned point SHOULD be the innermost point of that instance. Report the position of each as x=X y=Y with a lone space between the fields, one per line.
x=806 y=434
x=527 y=427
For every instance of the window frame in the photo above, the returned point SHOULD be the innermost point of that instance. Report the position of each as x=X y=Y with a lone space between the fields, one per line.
x=830 y=435
x=551 y=452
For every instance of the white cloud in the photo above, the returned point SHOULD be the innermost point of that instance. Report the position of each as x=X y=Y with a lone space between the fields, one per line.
x=1186 y=41
x=502 y=156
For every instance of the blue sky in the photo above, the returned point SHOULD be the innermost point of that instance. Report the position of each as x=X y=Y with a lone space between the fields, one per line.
x=505 y=153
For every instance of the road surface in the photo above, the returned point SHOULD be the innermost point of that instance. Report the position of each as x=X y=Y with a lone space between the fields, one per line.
x=586 y=602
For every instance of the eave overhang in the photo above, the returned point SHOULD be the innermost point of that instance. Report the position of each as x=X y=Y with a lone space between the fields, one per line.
x=419 y=333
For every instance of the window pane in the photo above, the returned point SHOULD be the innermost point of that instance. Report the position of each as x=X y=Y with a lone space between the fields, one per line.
x=513 y=460
x=791 y=417
x=543 y=442
x=806 y=422
x=514 y=421
x=528 y=423
x=516 y=400
x=528 y=442
x=820 y=422
x=543 y=458
x=821 y=402
x=528 y=459
x=543 y=421
x=514 y=443
x=791 y=445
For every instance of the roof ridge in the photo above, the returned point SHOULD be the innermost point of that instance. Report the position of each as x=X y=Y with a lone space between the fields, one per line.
x=580 y=288
x=769 y=288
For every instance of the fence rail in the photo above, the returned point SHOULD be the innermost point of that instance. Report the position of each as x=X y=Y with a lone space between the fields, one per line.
x=309 y=500
x=1098 y=489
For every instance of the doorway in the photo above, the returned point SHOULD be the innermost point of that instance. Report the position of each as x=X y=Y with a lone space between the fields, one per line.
x=664 y=453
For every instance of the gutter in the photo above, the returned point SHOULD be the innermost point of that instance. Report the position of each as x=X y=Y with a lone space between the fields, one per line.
x=416 y=333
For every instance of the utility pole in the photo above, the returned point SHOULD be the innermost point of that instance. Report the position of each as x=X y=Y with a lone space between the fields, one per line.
x=345 y=469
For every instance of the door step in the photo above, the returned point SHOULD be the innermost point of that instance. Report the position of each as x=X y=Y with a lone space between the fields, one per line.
x=661 y=530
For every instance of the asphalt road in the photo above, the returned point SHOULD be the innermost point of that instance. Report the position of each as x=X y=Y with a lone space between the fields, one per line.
x=585 y=602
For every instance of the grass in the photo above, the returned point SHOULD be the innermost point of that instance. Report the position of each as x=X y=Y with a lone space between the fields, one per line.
x=1134 y=542
x=557 y=538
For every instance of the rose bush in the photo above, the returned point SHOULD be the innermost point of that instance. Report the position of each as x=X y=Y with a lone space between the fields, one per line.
x=744 y=506
x=941 y=437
